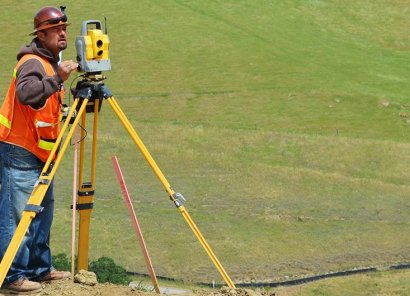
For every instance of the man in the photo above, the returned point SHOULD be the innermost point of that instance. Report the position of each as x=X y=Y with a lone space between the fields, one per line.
x=29 y=126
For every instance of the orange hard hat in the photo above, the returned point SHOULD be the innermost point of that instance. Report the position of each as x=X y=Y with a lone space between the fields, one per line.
x=48 y=17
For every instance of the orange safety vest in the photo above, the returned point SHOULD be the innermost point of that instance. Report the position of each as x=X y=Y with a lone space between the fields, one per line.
x=33 y=129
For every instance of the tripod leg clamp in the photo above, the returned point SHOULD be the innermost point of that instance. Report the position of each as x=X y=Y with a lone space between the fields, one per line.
x=178 y=199
x=42 y=181
x=33 y=208
x=83 y=206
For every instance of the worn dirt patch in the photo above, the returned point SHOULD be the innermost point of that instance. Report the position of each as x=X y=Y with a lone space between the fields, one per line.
x=69 y=288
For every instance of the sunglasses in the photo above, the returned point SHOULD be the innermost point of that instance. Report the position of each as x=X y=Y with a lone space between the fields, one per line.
x=55 y=21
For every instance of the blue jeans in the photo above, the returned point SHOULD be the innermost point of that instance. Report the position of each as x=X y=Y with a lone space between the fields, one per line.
x=20 y=169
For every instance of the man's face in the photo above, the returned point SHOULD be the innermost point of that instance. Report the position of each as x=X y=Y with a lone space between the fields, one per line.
x=54 y=39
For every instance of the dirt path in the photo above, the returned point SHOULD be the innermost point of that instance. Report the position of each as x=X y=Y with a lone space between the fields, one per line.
x=69 y=288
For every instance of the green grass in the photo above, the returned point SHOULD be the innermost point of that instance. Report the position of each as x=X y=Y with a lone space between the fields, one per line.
x=285 y=125
x=378 y=283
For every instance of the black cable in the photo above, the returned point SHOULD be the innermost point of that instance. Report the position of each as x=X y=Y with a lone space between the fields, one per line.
x=69 y=105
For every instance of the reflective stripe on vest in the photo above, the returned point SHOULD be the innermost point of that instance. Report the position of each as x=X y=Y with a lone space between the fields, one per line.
x=43 y=144
x=4 y=121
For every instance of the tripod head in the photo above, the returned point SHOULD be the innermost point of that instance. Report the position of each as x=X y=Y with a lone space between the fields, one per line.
x=91 y=87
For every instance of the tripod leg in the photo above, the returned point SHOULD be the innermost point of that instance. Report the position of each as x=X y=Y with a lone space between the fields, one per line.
x=86 y=195
x=33 y=205
x=172 y=194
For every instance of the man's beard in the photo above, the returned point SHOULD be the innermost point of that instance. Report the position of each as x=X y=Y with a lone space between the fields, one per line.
x=62 y=45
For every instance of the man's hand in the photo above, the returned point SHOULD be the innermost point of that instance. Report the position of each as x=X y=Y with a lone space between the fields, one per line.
x=65 y=68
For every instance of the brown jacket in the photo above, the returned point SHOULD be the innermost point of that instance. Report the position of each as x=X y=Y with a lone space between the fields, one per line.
x=33 y=85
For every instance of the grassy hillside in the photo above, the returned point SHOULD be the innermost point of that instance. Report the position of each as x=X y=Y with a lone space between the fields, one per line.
x=285 y=125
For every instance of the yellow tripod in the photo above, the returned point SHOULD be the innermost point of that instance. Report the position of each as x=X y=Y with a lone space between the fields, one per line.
x=89 y=94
